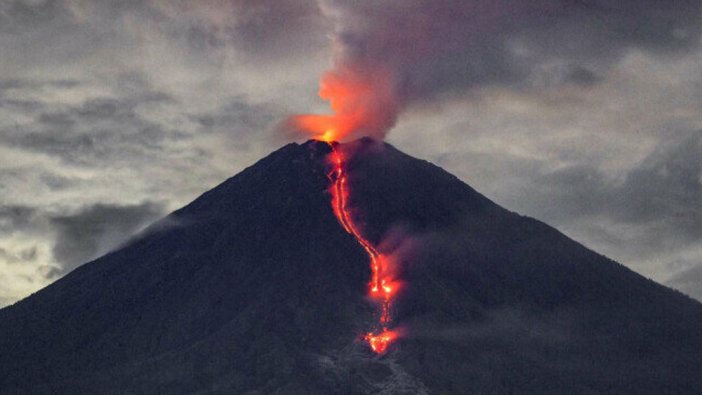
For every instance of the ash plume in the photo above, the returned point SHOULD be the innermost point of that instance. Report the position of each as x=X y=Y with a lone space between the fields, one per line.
x=391 y=55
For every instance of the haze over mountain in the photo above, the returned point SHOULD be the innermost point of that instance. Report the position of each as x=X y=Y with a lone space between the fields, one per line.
x=255 y=287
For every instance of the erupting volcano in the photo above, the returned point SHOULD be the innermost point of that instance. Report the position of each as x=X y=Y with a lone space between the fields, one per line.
x=261 y=285
x=382 y=286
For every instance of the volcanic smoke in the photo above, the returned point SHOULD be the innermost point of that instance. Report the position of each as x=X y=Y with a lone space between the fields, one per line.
x=364 y=103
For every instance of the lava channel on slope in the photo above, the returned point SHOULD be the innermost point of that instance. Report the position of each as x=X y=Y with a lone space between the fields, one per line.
x=382 y=286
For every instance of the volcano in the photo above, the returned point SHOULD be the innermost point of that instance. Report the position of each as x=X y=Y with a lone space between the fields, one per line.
x=255 y=287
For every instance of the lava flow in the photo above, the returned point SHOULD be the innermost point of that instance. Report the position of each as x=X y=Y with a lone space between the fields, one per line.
x=382 y=287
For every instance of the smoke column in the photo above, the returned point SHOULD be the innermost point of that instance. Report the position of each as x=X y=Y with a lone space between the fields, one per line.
x=386 y=56
x=393 y=54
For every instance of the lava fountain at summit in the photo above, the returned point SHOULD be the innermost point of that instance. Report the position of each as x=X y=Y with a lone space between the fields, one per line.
x=362 y=104
x=382 y=286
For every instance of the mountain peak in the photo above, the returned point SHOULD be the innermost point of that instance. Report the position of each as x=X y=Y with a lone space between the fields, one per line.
x=256 y=286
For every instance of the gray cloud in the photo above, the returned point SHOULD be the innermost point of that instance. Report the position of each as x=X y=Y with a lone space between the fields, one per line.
x=663 y=192
x=96 y=130
x=97 y=229
x=17 y=16
x=273 y=27
x=15 y=218
x=39 y=245
x=668 y=184
x=258 y=29
x=644 y=212
x=689 y=281
x=449 y=46
x=24 y=264
x=25 y=255
x=649 y=218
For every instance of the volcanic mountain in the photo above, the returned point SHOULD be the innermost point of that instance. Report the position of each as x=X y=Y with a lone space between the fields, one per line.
x=255 y=287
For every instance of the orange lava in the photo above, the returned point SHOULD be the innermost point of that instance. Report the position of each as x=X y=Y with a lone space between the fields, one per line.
x=380 y=342
x=382 y=286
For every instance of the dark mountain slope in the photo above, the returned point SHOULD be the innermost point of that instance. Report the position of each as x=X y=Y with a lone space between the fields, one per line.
x=511 y=305
x=232 y=287
x=254 y=286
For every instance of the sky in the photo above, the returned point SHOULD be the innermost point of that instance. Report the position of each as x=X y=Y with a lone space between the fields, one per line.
x=585 y=114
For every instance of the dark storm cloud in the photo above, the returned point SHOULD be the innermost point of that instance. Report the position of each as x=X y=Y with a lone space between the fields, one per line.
x=56 y=119
x=28 y=84
x=63 y=32
x=437 y=47
x=25 y=255
x=16 y=218
x=20 y=105
x=57 y=182
x=13 y=92
x=239 y=117
x=97 y=229
x=277 y=27
x=203 y=37
x=18 y=16
x=581 y=76
x=260 y=28
x=668 y=183
x=649 y=219
x=689 y=281
x=583 y=188
x=434 y=46
x=98 y=130
x=76 y=236
x=664 y=190
x=22 y=97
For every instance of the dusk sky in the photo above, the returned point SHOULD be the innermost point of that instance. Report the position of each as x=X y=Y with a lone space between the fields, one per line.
x=584 y=114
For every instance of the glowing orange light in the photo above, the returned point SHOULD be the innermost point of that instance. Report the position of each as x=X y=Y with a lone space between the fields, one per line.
x=381 y=278
x=363 y=102
x=380 y=342
x=328 y=135
x=386 y=287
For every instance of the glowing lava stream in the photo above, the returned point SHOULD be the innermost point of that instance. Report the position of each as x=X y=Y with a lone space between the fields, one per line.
x=381 y=287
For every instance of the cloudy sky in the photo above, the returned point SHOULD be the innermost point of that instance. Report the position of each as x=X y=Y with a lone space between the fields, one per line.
x=586 y=114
